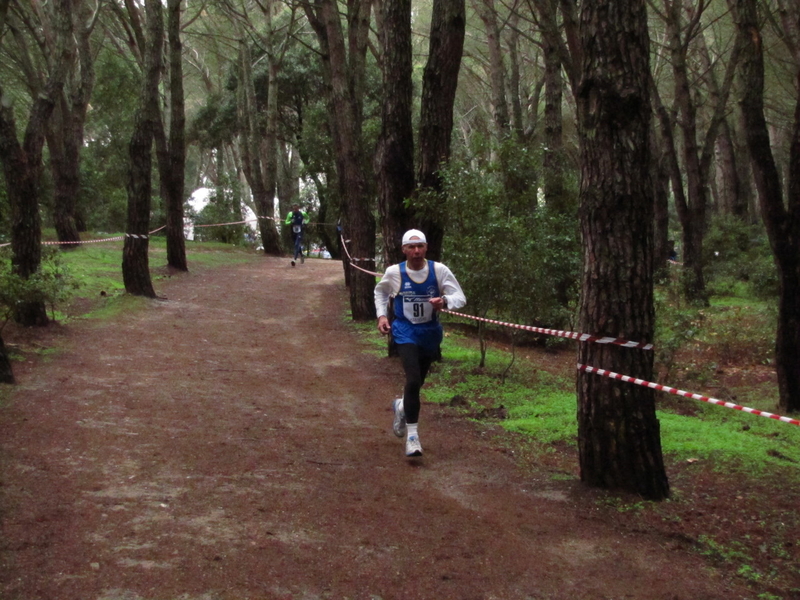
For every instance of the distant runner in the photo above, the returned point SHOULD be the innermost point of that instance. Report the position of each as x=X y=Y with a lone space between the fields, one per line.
x=297 y=220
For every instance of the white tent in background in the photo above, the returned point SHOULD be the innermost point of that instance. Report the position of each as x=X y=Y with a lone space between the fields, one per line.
x=199 y=200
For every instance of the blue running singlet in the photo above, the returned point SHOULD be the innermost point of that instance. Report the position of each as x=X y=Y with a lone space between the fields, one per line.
x=415 y=320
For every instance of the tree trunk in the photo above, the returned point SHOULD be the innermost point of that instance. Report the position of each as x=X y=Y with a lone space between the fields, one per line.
x=618 y=433
x=692 y=211
x=439 y=82
x=395 y=157
x=269 y=155
x=135 y=259
x=173 y=172
x=731 y=201
x=553 y=161
x=660 y=178
x=497 y=78
x=287 y=187
x=22 y=164
x=6 y=373
x=782 y=221
x=252 y=164
x=67 y=131
x=344 y=74
x=65 y=167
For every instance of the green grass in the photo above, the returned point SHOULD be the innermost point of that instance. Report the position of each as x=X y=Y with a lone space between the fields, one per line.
x=731 y=438
x=97 y=269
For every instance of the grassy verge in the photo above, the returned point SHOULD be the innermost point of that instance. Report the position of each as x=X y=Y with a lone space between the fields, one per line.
x=96 y=269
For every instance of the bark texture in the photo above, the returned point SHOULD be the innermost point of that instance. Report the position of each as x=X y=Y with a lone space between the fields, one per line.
x=22 y=164
x=135 y=259
x=439 y=82
x=782 y=220
x=6 y=373
x=172 y=155
x=619 y=438
x=395 y=160
x=344 y=68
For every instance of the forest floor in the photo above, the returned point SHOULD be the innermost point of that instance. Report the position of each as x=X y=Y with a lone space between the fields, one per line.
x=233 y=440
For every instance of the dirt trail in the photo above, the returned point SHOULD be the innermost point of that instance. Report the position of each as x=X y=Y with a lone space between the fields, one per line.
x=234 y=441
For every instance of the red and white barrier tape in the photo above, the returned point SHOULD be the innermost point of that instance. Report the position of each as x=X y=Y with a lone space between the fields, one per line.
x=111 y=239
x=664 y=388
x=231 y=223
x=581 y=337
x=351 y=260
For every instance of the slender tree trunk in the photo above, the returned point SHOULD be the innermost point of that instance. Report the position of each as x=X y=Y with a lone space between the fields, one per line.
x=172 y=171
x=660 y=178
x=439 y=82
x=6 y=373
x=726 y=174
x=781 y=220
x=395 y=158
x=553 y=162
x=135 y=259
x=497 y=78
x=269 y=153
x=692 y=214
x=618 y=433
x=287 y=185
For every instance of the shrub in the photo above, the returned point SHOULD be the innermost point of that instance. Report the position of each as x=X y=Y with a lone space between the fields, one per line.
x=52 y=284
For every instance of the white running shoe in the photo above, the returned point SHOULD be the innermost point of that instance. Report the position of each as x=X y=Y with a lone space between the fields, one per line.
x=293 y=263
x=399 y=424
x=413 y=447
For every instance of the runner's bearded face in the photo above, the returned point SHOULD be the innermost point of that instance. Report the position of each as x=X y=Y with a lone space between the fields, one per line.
x=415 y=254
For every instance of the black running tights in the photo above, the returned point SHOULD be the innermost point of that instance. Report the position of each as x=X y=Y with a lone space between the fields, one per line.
x=416 y=368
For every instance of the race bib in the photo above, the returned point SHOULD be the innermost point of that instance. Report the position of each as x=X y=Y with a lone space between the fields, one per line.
x=417 y=309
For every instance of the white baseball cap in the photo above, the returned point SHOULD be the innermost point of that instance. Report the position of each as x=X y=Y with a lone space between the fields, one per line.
x=408 y=237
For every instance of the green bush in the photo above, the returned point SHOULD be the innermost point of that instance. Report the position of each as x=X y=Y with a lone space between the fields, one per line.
x=52 y=284
x=514 y=262
x=738 y=255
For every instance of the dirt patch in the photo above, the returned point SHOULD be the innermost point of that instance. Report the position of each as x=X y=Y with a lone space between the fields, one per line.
x=234 y=441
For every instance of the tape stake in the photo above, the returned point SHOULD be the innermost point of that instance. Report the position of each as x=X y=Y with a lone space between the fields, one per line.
x=671 y=390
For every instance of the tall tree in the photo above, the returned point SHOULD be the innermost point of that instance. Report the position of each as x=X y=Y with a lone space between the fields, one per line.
x=618 y=433
x=168 y=129
x=29 y=48
x=696 y=153
x=135 y=259
x=343 y=56
x=439 y=84
x=171 y=147
x=65 y=137
x=781 y=217
x=395 y=156
x=553 y=162
x=22 y=162
x=251 y=134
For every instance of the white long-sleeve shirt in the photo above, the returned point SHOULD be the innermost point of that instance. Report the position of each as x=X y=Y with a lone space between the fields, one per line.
x=389 y=286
